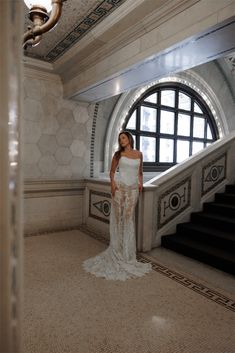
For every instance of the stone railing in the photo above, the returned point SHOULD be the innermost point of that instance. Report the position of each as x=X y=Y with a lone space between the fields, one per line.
x=170 y=197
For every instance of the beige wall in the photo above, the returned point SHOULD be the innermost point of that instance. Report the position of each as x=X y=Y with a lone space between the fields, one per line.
x=63 y=143
x=212 y=74
x=57 y=132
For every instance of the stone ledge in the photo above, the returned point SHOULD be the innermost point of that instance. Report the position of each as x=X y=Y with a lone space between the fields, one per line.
x=49 y=188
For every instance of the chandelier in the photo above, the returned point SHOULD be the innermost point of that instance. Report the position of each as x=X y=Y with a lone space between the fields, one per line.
x=44 y=14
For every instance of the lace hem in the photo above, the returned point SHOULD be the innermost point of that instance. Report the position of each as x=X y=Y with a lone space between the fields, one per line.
x=107 y=265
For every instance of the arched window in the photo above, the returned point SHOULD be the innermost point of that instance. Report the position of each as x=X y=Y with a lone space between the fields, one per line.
x=170 y=122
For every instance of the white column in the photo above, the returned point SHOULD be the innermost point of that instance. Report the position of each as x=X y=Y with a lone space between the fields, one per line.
x=10 y=183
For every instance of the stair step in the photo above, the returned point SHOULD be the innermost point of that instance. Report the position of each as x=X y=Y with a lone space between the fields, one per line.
x=211 y=255
x=230 y=189
x=220 y=208
x=208 y=235
x=225 y=198
x=214 y=220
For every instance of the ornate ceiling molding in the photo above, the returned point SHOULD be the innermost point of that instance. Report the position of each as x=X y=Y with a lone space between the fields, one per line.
x=78 y=32
x=227 y=67
x=230 y=60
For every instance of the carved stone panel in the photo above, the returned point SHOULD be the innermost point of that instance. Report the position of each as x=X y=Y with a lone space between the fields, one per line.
x=99 y=205
x=174 y=201
x=213 y=173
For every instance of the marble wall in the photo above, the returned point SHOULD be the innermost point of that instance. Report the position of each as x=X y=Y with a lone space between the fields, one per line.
x=212 y=74
x=57 y=132
x=102 y=120
x=63 y=144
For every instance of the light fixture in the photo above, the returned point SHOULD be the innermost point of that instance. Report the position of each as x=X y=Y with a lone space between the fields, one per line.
x=42 y=21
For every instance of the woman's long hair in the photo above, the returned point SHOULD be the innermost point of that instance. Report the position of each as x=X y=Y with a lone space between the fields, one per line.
x=120 y=148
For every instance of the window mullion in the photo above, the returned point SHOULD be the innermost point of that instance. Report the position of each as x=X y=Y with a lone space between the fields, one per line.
x=175 y=110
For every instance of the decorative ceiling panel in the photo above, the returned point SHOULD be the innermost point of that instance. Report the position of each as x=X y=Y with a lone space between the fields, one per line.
x=77 y=19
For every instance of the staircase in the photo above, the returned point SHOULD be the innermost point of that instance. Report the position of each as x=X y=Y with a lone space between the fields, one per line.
x=209 y=237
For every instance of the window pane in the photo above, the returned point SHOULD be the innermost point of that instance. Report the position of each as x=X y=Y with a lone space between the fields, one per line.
x=197 y=109
x=152 y=98
x=132 y=121
x=197 y=146
x=148 y=119
x=168 y=98
x=166 y=150
x=209 y=134
x=198 y=127
x=134 y=138
x=184 y=102
x=148 y=148
x=182 y=150
x=183 y=125
x=167 y=122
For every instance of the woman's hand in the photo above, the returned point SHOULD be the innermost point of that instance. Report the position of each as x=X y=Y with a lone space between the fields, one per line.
x=141 y=173
x=112 y=173
x=113 y=188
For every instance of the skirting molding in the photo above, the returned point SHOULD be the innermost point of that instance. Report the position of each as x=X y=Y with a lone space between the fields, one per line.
x=52 y=188
x=53 y=205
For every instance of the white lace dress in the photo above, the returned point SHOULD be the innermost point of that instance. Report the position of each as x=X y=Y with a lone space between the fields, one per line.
x=118 y=261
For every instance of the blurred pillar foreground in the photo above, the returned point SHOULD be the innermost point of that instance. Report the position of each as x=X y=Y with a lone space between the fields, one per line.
x=10 y=181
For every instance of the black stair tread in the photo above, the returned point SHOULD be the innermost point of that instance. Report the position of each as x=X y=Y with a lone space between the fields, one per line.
x=208 y=230
x=206 y=249
x=214 y=216
x=226 y=195
x=210 y=235
x=218 y=204
x=230 y=188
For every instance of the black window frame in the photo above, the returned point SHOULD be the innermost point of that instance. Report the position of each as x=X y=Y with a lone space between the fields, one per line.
x=195 y=98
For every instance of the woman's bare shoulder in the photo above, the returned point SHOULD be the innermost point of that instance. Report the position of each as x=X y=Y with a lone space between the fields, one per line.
x=137 y=153
x=132 y=154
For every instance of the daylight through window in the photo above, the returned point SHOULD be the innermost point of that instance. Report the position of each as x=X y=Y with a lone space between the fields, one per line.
x=169 y=123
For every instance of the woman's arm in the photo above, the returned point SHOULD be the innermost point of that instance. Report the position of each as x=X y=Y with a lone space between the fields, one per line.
x=113 y=168
x=141 y=173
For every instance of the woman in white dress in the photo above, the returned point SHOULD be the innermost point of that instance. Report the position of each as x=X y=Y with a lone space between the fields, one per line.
x=118 y=261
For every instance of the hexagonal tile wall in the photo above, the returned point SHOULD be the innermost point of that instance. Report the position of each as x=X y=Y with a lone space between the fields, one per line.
x=57 y=131
x=47 y=165
x=65 y=118
x=32 y=132
x=81 y=114
x=47 y=144
x=32 y=110
x=32 y=153
x=63 y=155
x=78 y=148
x=64 y=137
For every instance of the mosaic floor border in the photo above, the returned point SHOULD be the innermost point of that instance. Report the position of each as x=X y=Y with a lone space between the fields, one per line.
x=197 y=287
x=182 y=279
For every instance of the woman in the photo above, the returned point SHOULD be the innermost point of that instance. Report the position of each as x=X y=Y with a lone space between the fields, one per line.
x=119 y=262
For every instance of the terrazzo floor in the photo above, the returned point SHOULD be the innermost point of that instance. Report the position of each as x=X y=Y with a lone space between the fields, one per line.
x=176 y=308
